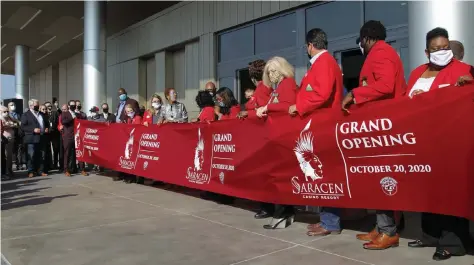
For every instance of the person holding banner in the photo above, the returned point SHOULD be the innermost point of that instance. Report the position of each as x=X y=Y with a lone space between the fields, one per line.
x=205 y=102
x=262 y=92
x=322 y=87
x=174 y=111
x=279 y=73
x=67 y=126
x=153 y=114
x=381 y=77
x=228 y=106
x=449 y=234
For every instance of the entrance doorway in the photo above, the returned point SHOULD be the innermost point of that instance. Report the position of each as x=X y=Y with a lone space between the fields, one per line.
x=351 y=62
x=244 y=82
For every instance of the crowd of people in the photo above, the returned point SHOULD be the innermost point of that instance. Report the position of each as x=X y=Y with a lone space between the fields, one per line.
x=381 y=78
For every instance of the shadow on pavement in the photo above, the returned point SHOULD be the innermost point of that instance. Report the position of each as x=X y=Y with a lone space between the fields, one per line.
x=32 y=202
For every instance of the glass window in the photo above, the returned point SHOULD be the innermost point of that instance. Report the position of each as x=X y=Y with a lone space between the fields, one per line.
x=236 y=44
x=227 y=82
x=275 y=34
x=390 y=13
x=337 y=18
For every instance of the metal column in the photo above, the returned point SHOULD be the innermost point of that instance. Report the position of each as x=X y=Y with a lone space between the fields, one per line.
x=22 y=67
x=94 y=53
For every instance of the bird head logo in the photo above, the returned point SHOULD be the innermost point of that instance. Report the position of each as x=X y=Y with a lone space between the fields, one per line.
x=310 y=164
x=198 y=154
x=129 y=146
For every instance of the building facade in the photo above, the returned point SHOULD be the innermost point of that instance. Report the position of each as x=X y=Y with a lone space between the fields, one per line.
x=191 y=43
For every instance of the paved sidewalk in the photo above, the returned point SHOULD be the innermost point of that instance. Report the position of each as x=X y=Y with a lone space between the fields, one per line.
x=57 y=220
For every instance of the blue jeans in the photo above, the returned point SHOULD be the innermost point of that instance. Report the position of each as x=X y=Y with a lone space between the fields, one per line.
x=35 y=158
x=330 y=219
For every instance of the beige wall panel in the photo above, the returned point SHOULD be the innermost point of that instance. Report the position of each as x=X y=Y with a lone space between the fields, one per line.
x=128 y=45
x=113 y=84
x=129 y=78
x=42 y=87
x=266 y=8
x=241 y=12
x=151 y=77
x=62 y=82
x=48 y=93
x=179 y=73
x=257 y=9
x=186 y=25
x=249 y=10
x=208 y=16
x=284 y=5
x=144 y=38
x=35 y=92
x=112 y=51
x=233 y=8
x=274 y=6
x=207 y=61
x=192 y=78
x=75 y=77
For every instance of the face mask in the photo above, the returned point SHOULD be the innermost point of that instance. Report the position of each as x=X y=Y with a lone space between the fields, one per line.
x=5 y=114
x=275 y=77
x=221 y=104
x=211 y=93
x=12 y=108
x=156 y=105
x=56 y=105
x=79 y=107
x=72 y=107
x=441 y=57
x=105 y=110
x=93 y=114
x=131 y=114
x=123 y=97
x=361 y=49
x=36 y=108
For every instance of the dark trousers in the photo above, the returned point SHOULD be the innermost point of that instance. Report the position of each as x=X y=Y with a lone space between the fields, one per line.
x=450 y=233
x=55 y=142
x=386 y=222
x=70 y=156
x=61 y=154
x=282 y=211
x=4 y=162
x=35 y=158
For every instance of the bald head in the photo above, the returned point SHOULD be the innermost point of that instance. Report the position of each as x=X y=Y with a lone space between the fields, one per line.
x=211 y=87
x=458 y=49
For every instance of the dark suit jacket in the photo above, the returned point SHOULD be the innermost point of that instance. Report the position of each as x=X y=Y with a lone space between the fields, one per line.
x=68 y=125
x=29 y=123
x=54 y=120
x=136 y=108
x=110 y=118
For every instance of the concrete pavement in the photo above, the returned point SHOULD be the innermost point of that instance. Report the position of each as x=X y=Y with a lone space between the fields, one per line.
x=57 y=220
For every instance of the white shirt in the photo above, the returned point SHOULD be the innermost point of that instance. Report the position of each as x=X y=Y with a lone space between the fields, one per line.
x=423 y=84
x=40 y=120
x=315 y=57
x=73 y=114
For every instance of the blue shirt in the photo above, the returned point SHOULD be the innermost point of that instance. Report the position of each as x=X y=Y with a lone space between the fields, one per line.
x=14 y=115
x=122 y=104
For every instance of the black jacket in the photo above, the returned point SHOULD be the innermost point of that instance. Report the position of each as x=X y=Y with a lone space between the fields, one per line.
x=29 y=123
x=110 y=118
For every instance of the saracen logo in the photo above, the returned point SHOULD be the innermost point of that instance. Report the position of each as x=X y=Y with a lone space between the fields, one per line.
x=310 y=185
x=77 y=141
x=196 y=174
x=389 y=186
x=126 y=160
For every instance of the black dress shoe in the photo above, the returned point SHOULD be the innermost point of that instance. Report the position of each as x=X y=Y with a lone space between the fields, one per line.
x=419 y=244
x=441 y=255
x=262 y=215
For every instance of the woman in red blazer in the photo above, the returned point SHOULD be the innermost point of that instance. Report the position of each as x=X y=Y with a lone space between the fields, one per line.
x=229 y=106
x=262 y=92
x=280 y=73
x=132 y=117
x=152 y=115
x=205 y=101
x=449 y=234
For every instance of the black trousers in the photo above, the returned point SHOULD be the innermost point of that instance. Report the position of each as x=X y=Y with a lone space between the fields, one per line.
x=282 y=211
x=450 y=233
x=4 y=162
x=70 y=157
x=56 y=144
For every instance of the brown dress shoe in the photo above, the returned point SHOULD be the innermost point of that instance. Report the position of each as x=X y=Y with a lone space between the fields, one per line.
x=44 y=174
x=319 y=231
x=84 y=173
x=30 y=175
x=67 y=174
x=383 y=241
x=313 y=226
x=368 y=237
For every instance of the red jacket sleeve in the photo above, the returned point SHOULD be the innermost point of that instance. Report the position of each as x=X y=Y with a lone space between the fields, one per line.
x=207 y=115
x=322 y=84
x=137 y=120
x=147 y=117
x=384 y=69
x=251 y=103
x=286 y=96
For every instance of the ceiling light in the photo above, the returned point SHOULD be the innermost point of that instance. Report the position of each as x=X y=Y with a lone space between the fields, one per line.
x=44 y=44
x=78 y=36
x=41 y=58
x=6 y=59
x=31 y=19
x=3 y=46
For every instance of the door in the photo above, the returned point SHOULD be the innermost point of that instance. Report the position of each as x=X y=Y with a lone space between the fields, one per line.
x=401 y=46
x=243 y=83
x=351 y=62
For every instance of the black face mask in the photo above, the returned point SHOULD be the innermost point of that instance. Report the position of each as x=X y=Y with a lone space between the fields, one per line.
x=105 y=110
x=36 y=108
x=72 y=107
x=79 y=107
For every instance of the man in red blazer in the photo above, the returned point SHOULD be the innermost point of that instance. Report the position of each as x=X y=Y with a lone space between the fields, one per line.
x=381 y=77
x=322 y=86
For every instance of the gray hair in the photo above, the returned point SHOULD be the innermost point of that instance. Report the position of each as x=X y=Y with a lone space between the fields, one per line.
x=31 y=102
x=280 y=64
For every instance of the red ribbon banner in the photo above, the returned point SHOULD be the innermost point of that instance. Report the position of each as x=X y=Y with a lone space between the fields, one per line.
x=406 y=154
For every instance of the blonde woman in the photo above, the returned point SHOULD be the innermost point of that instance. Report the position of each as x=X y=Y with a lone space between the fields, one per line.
x=153 y=114
x=8 y=125
x=279 y=74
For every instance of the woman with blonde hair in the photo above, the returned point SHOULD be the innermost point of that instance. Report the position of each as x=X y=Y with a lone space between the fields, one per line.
x=279 y=74
x=153 y=113
x=8 y=125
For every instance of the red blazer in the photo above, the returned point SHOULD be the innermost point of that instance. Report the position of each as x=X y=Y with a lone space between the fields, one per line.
x=284 y=96
x=234 y=111
x=381 y=76
x=262 y=94
x=251 y=104
x=321 y=87
x=148 y=117
x=136 y=119
x=207 y=114
x=448 y=75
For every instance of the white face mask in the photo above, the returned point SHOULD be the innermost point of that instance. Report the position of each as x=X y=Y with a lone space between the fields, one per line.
x=131 y=114
x=156 y=105
x=441 y=57
x=12 y=108
x=93 y=114
x=361 y=49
